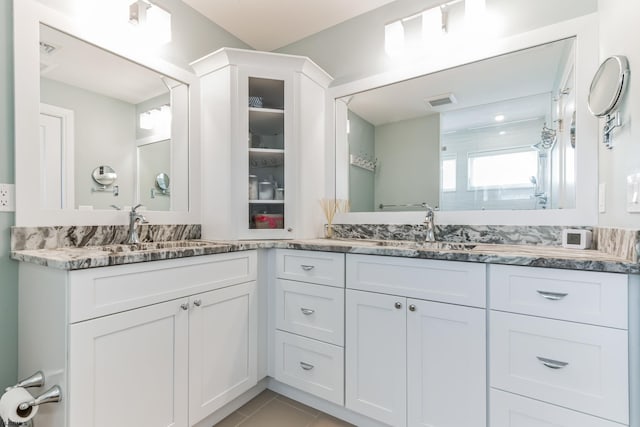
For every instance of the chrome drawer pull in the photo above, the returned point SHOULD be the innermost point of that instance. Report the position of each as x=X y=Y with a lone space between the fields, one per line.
x=553 y=296
x=306 y=366
x=550 y=363
x=307 y=267
x=307 y=311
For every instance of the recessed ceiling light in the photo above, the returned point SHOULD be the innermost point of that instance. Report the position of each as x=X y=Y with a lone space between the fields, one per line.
x=502 y=132
x=499 y=117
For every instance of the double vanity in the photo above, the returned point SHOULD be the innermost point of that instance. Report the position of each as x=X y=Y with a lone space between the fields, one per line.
x=378 y=332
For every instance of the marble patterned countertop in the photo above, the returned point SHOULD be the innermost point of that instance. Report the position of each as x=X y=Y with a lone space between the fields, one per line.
x=75 y=258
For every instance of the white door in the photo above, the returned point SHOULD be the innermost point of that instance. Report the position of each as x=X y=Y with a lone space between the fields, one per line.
x=56 y=157
x=130 y=369
x=446 y=365
x=375 y=361
x=223 y=340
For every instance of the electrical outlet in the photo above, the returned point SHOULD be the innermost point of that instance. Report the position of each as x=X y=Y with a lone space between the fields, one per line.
x=7 y=197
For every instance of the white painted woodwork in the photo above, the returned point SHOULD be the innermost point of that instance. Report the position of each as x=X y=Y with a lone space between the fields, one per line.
x=223 y=328
x=511 y=410
x=323 y=268
x=310 y=365
x=445 y=281
x=446 y=365
x=28 y=15
x=314 y=311
x=130 y=368
x=56 y=157
x=224 y=81
x=594 y=380
x=107 y=364
x=580 y=296
x=375 y=356
x=102 y=291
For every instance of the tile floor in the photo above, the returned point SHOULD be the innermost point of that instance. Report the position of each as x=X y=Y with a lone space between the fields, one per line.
x=270 y=409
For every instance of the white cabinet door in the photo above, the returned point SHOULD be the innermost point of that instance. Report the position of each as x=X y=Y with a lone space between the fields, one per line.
x=375 y=362
x=223 y=340
x=130 y=369
x=446 y=365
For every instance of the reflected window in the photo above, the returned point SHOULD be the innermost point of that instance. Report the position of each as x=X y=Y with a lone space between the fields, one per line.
x=502 y=168
x=448 y=174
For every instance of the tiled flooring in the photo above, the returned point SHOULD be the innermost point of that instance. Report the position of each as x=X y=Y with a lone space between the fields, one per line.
x=270 y=409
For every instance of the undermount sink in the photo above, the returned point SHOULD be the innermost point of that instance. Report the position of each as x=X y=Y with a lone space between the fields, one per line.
x=424 y=246
x=154 y=246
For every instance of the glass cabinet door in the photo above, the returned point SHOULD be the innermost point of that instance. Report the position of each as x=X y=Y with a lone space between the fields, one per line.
x=266 y=154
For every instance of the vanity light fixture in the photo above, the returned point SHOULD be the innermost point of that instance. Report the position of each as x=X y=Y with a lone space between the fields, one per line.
x=154 y=21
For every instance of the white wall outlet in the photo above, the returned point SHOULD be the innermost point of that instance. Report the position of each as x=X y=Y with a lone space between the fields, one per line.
x=602 y=197
x=7 y=197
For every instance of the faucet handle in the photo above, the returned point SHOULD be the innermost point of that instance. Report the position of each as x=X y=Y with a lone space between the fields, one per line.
x=133 y=209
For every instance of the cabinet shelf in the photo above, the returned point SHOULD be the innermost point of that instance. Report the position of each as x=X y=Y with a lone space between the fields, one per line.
x=266 y=121
x=266 y=157
x=266 y=202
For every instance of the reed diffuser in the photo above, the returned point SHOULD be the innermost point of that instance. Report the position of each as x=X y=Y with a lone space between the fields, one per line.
x=330 y=207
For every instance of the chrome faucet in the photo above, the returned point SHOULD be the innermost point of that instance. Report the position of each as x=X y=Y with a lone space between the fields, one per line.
x=430 y=235
x=134 y=219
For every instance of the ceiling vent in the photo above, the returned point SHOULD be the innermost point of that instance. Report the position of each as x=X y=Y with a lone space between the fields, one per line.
x=46 y=48
x=441 y=100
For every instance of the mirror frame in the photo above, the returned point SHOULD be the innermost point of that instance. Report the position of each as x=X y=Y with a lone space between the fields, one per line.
x=584 y=29
x=28 y=15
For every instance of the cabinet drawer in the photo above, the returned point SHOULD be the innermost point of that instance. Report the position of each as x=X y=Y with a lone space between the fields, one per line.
x=444 y=281
x=324 y=268
x=581 y=367
x=101 y=291
x=314 y=311
x=579 y=296
x=311 y=366
x=510 y=410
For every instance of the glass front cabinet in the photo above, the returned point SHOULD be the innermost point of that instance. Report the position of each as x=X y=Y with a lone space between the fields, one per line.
x=263 y=131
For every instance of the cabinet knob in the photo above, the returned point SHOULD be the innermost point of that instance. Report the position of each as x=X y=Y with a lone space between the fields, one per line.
x=197 y=302
x=184 y=306
x=398 y=305
x=289 y=229
x=412 y=307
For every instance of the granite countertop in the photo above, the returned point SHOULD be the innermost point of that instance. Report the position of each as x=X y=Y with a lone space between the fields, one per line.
x=75 y=258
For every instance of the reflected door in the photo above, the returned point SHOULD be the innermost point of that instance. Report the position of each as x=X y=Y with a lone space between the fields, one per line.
x=56 y=157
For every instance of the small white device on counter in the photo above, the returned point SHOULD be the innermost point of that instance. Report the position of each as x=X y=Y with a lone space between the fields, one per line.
x=576 y=239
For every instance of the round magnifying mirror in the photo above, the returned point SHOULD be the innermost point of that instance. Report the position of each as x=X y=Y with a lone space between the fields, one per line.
x=162 y=181
x=608 y=85
x=104 y=175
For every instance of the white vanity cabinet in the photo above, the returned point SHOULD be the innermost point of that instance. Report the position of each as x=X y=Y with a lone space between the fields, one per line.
x=415 y=356
x=560 y=344
x=309 y=320
x=255 y=152
x=155 y=344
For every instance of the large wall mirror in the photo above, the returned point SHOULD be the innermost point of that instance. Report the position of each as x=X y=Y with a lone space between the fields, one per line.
x=479 y=141
x=98 y=105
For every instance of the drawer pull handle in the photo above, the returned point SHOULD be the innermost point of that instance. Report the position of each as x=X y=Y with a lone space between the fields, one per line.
x=307 y=311
x=550 y=363
x=306 y=366
x=553 y=296
x=306 y=267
